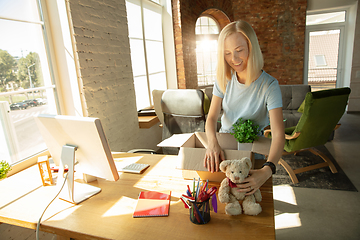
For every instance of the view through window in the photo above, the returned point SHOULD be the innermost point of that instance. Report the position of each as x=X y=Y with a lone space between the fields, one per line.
x=26 y=86
x=147 y=49
x=324 y=49
x=207 y=32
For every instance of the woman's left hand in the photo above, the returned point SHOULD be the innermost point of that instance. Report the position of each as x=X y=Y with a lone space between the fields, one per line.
x=255 y=180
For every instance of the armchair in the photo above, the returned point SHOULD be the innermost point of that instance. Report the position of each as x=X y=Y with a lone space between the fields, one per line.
x=321 y=112
x=183 y=111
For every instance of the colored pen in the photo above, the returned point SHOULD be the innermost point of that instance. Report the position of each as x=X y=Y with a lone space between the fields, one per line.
x=192 y=209
x=205 y=186
x=198 y=213
x=197 y=189
x=189 y=191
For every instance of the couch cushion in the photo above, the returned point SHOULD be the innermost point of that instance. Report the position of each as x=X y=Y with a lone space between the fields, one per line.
x=293 y=95
x=292 y=117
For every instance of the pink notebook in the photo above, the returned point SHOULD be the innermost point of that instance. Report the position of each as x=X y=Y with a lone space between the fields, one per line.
x=153 y=204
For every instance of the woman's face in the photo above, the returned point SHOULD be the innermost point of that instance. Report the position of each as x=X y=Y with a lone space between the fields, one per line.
x=236 y=52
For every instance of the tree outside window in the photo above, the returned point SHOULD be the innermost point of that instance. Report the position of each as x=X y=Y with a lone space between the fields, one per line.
x=26 y=83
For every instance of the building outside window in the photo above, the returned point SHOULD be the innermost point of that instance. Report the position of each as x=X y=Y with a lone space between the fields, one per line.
x=147 y=49
x=324 y=48
x=26 y=82
x=207 y=32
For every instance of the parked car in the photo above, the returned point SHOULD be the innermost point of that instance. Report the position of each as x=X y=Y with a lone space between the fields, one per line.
x=19 y=105
x=31 y=102
x=41 y=101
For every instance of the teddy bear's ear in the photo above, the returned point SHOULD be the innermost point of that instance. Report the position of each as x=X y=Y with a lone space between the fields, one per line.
x=247 y=161
x=224 y=164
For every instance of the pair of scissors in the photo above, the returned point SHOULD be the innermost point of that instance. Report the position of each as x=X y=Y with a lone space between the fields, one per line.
x=205 y=195
x=185 y=200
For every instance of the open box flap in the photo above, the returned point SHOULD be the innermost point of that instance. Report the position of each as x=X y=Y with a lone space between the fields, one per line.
x=226 y=140
x=178 y=140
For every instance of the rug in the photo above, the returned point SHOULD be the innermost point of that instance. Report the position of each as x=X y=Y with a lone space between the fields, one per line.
x=321 y=178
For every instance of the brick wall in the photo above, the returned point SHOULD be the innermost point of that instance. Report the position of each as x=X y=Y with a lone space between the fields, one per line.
x=280 y=27
x=103 y=51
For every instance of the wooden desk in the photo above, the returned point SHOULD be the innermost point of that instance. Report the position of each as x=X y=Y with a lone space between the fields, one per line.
x=147 y=121
x=108 y=215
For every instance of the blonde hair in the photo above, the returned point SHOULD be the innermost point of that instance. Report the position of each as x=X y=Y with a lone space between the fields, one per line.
x=255 y=59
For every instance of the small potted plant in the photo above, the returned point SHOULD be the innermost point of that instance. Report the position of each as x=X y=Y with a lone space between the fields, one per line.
x=245 y=133
x=4 y=169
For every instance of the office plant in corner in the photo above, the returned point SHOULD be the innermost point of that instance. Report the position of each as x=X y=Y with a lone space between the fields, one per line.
x=4 y=169
x=245 y=131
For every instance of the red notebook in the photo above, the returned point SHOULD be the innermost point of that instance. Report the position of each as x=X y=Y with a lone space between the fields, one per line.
x=153 y=204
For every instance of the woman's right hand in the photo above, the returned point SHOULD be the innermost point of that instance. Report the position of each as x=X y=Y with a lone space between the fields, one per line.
x=214 y=154
x=213 y=157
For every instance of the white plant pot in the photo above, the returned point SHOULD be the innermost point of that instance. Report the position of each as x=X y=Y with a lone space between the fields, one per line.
x=245 y=146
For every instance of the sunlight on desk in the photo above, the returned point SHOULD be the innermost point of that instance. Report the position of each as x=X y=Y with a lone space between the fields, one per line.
x=124 y=206
x=122 y=162
x=57 y=215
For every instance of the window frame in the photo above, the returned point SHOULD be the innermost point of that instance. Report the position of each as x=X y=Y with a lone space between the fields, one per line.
x=343 y=26
x=61 y=44
x=145 y=41
x=54 y=14
x=211 y=37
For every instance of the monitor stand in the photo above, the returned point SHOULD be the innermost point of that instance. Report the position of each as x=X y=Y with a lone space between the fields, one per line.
x=72 y=191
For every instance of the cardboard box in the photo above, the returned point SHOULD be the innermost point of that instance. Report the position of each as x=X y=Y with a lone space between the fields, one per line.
x=193 y=148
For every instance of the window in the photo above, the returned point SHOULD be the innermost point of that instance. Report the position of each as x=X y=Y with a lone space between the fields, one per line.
x=320 y=60
x=207 y=32
x=26 y=83
x=206 y=25
x=324 y=18
x=147 y=49
x=324 y=36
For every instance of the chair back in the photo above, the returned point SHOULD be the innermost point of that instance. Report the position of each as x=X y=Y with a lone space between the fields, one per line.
x=157 y=95
x=183 y=111
x=321 y=111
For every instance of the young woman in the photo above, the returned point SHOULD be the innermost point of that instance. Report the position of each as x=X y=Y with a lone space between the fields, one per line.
x=244 y=90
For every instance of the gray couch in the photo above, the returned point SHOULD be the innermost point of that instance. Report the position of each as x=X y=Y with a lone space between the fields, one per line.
x=292 y=96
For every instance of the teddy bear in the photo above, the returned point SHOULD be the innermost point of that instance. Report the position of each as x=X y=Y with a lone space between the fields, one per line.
x=236 y=171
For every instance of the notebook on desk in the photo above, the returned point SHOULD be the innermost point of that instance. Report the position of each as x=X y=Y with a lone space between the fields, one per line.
x=153 y=204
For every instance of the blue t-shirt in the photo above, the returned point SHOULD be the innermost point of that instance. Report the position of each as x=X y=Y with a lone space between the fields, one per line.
x=249 y=102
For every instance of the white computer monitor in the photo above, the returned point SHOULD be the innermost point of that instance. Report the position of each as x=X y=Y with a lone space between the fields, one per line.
x=79 y=144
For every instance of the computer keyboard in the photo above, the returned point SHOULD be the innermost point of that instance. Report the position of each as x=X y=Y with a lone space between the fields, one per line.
x=135 y=168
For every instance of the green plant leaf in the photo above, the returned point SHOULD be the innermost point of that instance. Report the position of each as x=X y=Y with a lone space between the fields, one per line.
x=245 y=131
x=4 y=169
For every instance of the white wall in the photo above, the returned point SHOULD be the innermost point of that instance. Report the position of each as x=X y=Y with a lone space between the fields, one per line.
x=354 y=100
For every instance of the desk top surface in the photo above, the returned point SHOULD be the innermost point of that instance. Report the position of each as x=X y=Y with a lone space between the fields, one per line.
x=108 y=215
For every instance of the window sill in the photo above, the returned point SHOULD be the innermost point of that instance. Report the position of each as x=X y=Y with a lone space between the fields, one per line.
x=27 y=163
x=147 y=121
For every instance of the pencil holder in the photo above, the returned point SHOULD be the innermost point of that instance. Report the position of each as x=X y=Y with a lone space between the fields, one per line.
x=200 y=212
